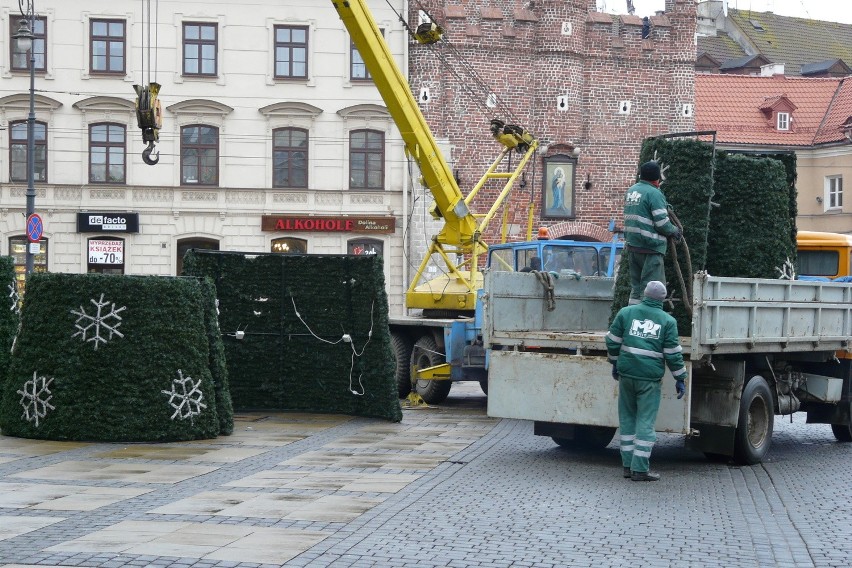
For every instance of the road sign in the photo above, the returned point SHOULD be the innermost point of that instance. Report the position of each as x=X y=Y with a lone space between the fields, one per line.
x=35 y=228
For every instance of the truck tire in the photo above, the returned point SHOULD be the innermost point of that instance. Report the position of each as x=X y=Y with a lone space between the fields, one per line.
x=587 y=438
x=425 y=354
x=756 y=422
x=843 y=432
x=402 y=353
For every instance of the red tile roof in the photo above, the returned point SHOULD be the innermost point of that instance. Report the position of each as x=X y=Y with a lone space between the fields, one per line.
x=839 y=114
x=731 y=105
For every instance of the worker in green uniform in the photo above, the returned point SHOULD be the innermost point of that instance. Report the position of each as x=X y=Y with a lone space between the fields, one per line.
x=641 y=342
x=646 y=230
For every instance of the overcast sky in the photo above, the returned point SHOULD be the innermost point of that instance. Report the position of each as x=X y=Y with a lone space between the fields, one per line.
x=829 y=10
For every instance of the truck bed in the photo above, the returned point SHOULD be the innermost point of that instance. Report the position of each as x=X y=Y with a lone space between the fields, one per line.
x=731 y=315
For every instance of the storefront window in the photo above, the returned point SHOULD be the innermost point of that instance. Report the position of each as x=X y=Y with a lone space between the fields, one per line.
x=18 y=251
x=365 y=247
x=290 y=245
x=106 y=255
x=184 y=245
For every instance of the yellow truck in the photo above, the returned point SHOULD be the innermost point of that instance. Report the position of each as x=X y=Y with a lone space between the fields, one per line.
x=827 y=255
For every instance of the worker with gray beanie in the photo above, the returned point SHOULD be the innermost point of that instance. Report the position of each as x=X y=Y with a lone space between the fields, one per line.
x=646 y=230
x=642 y=341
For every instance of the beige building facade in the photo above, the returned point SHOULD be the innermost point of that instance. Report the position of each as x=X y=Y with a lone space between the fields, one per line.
x=274 y=138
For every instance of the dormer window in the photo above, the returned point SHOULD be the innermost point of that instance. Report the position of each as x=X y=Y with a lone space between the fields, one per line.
x=783 y=121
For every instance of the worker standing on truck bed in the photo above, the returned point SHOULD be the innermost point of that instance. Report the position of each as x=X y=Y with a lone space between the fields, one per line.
x=641 y=341
x=646 y=228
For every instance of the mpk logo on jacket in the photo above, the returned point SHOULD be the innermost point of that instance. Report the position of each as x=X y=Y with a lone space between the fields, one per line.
x=646 y=329
x=633 y=198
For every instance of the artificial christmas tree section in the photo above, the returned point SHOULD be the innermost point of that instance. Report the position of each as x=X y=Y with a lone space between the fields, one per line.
x=751 y=232
x=304 y=332
x=9 y=312
x=112 y=358
x=738 y=215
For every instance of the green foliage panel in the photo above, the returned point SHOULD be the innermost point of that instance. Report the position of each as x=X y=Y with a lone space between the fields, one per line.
x=738 y=215
x=315 y=331
x=9 y=312
x=113 y=358
x=751 y=229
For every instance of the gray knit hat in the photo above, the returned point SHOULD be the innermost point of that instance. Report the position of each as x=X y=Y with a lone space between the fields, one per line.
x=656 y=290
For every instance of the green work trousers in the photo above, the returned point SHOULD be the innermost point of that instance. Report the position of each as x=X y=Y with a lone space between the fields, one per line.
x=644 y=267
x=638 y=403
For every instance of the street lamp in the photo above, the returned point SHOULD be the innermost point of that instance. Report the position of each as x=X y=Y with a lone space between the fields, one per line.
x=25 y=37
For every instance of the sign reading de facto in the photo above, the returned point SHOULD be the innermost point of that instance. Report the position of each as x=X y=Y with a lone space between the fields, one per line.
x=97 y=222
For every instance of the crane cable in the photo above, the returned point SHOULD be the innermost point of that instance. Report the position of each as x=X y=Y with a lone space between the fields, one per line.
x=149 y=114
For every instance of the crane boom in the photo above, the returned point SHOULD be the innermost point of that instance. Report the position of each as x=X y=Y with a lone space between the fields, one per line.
x=462 y=230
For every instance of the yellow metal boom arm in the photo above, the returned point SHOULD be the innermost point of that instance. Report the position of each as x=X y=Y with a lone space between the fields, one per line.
x=461 y=233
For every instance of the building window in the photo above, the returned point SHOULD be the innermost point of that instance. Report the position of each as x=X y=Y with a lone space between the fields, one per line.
x=18 y=252
x=783 y=121
x=291 y=52
x=18 y=151
x=199 y=155
x=290 y=245
x=107 y=149
x=21 y=59
x=834 y=192
x=289 y=157
x=366 y=159
x=199 y=49
x=357 y=70
x=107 y=41
x=184 y=245
x=365 y=247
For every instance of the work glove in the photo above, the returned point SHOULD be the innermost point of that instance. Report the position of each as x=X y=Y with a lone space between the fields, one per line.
x=680 y=387
x=677 y=236
x=615 y=371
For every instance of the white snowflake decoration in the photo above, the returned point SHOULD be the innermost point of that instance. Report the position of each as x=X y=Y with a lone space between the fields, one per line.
x=185 y=397
x=35 y=398
x=663 y=168
x=15 y=297
x=98 y=321
x=787 y=270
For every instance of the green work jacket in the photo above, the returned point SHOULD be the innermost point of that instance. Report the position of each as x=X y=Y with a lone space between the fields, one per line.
x=646 y=217
x=642 y=340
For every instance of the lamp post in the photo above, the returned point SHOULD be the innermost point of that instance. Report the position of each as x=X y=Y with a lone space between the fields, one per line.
x=25 y=38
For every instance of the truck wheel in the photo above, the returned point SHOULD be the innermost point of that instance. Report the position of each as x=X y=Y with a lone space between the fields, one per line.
x=754 y=430
x=425 y=354
x=587 y=438
x=843 y=432
x=402 y=353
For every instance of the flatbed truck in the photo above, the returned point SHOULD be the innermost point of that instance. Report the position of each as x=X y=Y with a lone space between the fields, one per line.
x=758 y=348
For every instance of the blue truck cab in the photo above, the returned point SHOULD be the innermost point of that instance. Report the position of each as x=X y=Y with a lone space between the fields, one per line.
x=581 y=257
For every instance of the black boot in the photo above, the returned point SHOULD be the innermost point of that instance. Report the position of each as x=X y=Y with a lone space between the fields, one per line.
x=645 y=476
x=627 y=473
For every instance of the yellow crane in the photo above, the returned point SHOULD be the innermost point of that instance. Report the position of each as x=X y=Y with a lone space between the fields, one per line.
x=461 y=234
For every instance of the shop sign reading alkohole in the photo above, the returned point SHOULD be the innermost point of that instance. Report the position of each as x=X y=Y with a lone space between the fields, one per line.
x=327 y=224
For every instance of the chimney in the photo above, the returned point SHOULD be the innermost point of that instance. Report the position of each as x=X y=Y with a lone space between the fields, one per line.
x=772 y=70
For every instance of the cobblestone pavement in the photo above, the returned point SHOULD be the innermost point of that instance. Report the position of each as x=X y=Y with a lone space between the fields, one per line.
x=448 y=487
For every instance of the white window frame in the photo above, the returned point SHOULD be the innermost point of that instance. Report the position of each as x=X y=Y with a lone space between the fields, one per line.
x=833 y=192
x=783 y=121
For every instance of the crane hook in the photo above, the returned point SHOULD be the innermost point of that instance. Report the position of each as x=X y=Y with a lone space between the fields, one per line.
x=146 y=154
x=149 y=117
